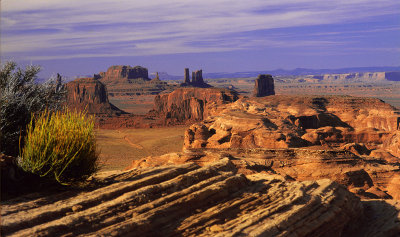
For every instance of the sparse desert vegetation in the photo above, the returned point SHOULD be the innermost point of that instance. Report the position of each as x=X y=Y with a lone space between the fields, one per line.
x=60 y=146
x=20 y=97
x=52 y=143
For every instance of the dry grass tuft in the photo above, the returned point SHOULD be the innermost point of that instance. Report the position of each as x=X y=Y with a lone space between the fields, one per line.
x=60 y=145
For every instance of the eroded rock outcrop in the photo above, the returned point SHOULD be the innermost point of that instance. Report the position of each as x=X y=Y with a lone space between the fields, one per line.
x=355 y=77
x=123 y=74
x=189 y=200
x=347 y=139
x=197 y=79
x=186 y=76
x=296 y=121
x=392 y=144
x=127 y=81
x=190 y=104
x=264 y=86
x=91 y=95
x=366 y=177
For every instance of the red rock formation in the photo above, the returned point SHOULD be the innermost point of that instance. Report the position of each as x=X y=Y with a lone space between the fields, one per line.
x=121 y=74
x=392 y=144
x=298 y=121
x=264 y=86
x=355 y=77
x=125 y=82
x=186 y=78
x=190 y=104
x=90 y=94
x=367 y=177
x=189 y=200
x=394 y=187
x=197 y=79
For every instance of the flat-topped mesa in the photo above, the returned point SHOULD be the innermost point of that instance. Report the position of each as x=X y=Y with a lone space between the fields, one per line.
x=264 y=86
x=197 y=79
x=121 y=74
x=127 y=81
x=91 y=95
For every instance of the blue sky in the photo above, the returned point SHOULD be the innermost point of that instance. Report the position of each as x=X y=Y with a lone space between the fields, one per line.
x=77 y=37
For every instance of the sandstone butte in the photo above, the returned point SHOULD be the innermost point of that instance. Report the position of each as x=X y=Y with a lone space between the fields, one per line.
x=184 y=105
x=197 y=79
x=91 y=95
x=126 y=81
x=264 y=86
x=191 y=104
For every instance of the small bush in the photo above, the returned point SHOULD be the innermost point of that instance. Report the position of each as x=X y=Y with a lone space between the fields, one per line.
x=20 y=96
x=61 y=146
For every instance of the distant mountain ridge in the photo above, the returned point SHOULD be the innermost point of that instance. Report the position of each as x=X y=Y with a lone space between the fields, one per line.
x=300 y=72
x=282 y=72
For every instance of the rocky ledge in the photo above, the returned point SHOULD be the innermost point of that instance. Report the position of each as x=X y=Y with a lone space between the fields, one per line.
x=190 y=200
x=298 y=121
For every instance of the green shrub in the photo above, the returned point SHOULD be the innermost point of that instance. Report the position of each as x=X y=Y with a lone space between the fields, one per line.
x=20 y=96
x=61 y=146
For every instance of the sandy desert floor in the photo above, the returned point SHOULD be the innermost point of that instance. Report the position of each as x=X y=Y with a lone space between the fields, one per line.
x=119 y=147
x=134 y=104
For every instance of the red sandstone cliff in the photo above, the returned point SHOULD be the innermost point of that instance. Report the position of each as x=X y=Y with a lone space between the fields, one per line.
x=295 y=121
x=190 y=104
x=90 y=94
x=126 y=82
x=123 y=74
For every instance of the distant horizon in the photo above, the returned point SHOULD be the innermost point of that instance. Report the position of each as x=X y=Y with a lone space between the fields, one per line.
x=338 y=70
x=82 y=38
x=151 y=72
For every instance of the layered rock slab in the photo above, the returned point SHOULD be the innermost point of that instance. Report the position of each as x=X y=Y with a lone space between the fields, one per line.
x=366 y=177
x=188 y=200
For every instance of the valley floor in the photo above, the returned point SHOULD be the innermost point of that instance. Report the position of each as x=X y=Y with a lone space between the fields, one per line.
x=118 y=148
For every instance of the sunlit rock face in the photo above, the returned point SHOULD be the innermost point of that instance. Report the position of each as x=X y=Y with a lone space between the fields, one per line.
x=297 y=121
x=91 y=95
x=191 y=104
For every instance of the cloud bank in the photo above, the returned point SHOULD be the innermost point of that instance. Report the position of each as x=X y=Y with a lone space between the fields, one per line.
x=43 y=30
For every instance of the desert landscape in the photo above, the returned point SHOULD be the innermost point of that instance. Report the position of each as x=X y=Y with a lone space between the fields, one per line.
x=240 y=162
x=178 y=122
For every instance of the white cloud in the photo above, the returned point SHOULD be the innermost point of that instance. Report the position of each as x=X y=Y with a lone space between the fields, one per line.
x=165 y=27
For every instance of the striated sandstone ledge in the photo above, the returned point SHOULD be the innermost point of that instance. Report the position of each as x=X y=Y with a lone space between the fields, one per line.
x=190 y=200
